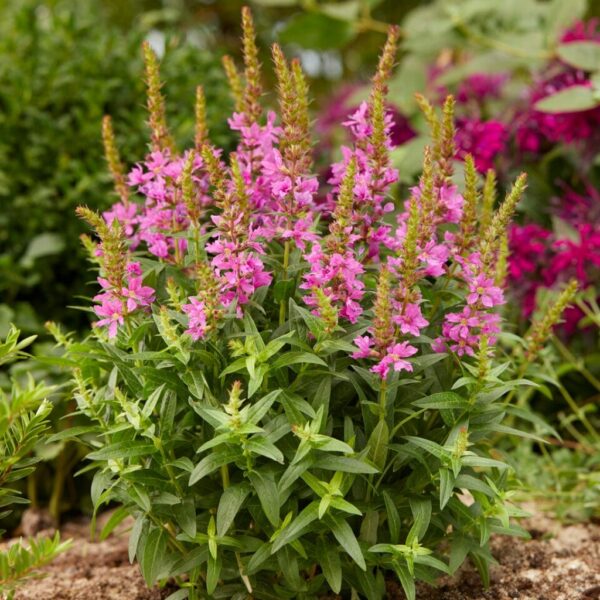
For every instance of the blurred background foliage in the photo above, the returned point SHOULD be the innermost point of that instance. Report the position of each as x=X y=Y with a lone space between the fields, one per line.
x=63 y=65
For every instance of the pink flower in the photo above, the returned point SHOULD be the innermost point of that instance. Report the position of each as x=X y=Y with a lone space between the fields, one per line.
x=483 y=139
x=410 y=319
x=577 y=257
x=137 y=294
x=482 y=289
x=481 y=86
x=395 y=356
x=196 y=312
x=338 y=275
x=364 y=344
x=462 y=323
x=112 y=310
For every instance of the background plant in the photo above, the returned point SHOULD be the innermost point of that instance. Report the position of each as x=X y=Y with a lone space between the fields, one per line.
x=24 y=424
x=64 y=65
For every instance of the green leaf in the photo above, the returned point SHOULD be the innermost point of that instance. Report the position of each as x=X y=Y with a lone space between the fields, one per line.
x=230 y=503
x=482 y=461
x=122 y=450
x=260 y=408
x=442 y=401
x=446 y=486
x=329 y=559
x=263 y=447
x=268 y=495
x=211 y=463
x=378 y=444
x=154 y=563
x=346 y=464
x=428 y=445
x=316 y=31
x=406 y=580
x=44 y=244
x=296 y=358
x=572 y=99
x=345 y=536
x=584 y=55
x=134 y=537
x=259 y=558
x=421 y=511
x=115 y=519
x=295 y=529
x=345 y=11
x=185 y=515
x=213 y=570
x=393 y=518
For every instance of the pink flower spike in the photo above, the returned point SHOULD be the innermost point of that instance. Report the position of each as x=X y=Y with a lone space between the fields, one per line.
x=197 y=318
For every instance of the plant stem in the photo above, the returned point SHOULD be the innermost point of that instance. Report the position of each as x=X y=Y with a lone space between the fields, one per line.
x=382 y=399
x=578 y=364
x=286 y=261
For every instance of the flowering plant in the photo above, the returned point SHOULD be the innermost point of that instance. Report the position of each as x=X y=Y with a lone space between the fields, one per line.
x=295 y=386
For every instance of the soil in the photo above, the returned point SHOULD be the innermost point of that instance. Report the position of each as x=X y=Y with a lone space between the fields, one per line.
x=558 y=563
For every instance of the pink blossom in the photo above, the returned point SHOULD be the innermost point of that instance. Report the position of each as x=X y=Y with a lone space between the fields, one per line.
x=364 y=344
x=577 y=257
x=395 y=356
x=482 y=289
x=111 y=309
x=196 y=312
x=137 y=294
x=410 y=319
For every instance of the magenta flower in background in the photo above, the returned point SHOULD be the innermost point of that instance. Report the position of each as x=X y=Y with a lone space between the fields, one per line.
x=577 y=258
x=479 y=87
x=483 y=139
x=582 y=31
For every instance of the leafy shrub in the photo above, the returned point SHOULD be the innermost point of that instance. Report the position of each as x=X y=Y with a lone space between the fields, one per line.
x=23 y=424
x=62 y=68
x=297 y=389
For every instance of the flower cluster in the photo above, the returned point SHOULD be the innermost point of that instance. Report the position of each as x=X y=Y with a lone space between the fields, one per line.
x=220 y=221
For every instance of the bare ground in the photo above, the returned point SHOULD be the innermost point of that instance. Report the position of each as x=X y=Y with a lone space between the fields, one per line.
x=559 y=563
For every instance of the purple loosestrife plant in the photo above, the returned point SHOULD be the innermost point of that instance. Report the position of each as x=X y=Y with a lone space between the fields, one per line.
x=292 y=396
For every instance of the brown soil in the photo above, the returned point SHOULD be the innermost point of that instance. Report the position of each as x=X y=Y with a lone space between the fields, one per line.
x=89 y=571
x=559 y=563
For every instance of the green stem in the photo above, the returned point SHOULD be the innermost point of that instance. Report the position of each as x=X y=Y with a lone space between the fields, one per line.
x=225 y=476
x=578 y=412
x=286 y=261
x=58 y=484
x=578 y=364
x=382 y=399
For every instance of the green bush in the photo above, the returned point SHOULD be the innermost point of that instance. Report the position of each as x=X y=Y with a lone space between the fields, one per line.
x=62 y=67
